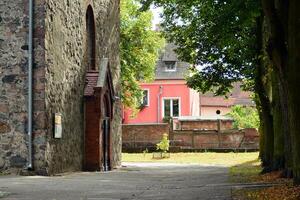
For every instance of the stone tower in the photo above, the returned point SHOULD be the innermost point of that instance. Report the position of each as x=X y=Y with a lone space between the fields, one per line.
x=71 y=38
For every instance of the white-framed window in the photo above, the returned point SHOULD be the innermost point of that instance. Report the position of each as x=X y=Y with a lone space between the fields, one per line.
x=170 y=66
x=171 y=107
x=145 y=98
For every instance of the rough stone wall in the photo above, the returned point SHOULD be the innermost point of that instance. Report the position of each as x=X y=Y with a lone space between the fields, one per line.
x=13 y=83
x=59 y=78
x=65 y=69
x=65 y=44
x=108 y=40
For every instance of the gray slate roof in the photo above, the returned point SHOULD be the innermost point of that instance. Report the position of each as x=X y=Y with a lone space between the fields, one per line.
x=169 y=55
x=102 y=72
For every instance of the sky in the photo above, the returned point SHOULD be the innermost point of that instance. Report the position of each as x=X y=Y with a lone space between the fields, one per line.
x=156 y=18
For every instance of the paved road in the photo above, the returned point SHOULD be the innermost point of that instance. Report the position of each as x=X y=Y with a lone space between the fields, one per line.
x=133 y=181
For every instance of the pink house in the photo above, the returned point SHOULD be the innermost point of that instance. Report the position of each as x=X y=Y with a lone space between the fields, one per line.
x=168 y=95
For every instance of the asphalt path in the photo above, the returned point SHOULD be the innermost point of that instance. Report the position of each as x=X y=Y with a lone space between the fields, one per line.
x=134 y=181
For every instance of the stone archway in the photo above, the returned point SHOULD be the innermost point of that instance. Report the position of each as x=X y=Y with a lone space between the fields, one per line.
x=90 y=39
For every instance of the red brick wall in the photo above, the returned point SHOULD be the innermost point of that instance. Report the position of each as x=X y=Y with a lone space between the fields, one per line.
x=205 y=125
x=137 y=138
x=183 y=140
x=92 y=129
x=205 y=140
x=231 y=139
x=142 y=136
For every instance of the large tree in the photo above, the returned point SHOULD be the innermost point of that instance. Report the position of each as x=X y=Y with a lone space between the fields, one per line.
x=139 y=50
x=253 y=40
x=224 y=39
x=216 y=35
x=293 y=82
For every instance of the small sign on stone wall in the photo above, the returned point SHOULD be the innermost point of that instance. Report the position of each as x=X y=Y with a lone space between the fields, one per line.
x=57 y=126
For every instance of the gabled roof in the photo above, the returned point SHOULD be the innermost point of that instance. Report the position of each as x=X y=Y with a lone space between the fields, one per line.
x=237 y=97
x=91 y=82
x=102 y=72
x=97 y=79
x=216 y=101
x=244 y=102
x=169 y=55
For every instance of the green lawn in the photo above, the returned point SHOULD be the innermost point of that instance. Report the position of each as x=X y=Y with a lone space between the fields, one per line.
x=245 y=172
x=224 y=159
x=243 y=168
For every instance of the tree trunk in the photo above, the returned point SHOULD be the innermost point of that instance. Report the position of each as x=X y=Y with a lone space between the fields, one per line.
x=293 y=81
x=282 y=10
x=267 y=136
x=267 y=130
x=278 y=159
x=261 y=131
x=283 y=94
x=277 y=15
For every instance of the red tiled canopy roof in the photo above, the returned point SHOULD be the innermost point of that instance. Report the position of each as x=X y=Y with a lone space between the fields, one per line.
x=97 y=79
x=91 y=82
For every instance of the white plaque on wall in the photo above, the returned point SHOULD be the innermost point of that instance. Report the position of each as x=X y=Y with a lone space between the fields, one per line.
x=57 y=126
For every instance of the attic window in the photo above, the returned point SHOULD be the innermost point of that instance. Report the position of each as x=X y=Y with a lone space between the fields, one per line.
x=170 y=66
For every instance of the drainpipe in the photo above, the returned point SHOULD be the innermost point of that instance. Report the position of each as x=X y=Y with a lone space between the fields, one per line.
x=200 y=106
x=30 y=64
x=158 y=102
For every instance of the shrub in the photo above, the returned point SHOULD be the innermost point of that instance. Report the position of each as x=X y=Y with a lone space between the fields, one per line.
x=244 y=117
x=164 y=144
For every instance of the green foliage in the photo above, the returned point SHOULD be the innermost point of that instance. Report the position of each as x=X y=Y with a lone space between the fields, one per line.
x=244 y=117
x=167 y=119
x=139 y=50
x=164 y=144
x=245 y=172
x=145 y=152
x=217 y=36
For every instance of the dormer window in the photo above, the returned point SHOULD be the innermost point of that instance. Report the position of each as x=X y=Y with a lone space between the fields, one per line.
x=170 y=66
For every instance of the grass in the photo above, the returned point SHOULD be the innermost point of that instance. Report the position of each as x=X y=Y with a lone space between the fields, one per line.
x=4 y=194
x=243 y=168
x=245 y=172
x=250 y=172
x=222 y=159
x=283 y=191
x=3 y=173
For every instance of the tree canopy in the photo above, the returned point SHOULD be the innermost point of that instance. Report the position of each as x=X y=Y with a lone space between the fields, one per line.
x=216 y=36
x=244 y=117
x=139 y=49
x=256 y=41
